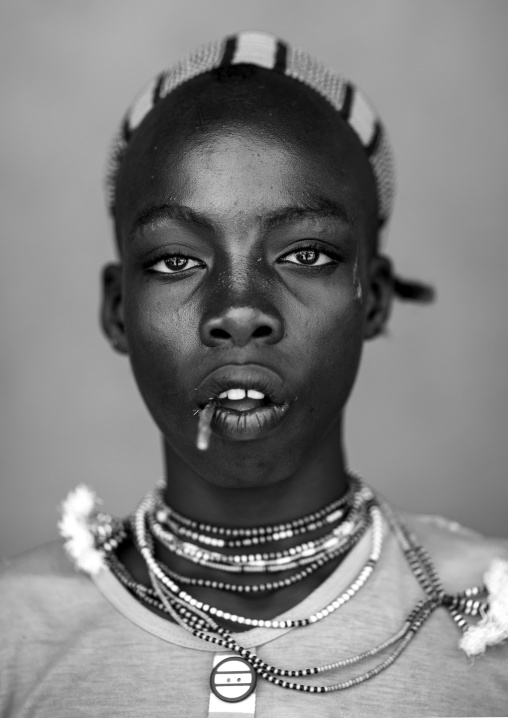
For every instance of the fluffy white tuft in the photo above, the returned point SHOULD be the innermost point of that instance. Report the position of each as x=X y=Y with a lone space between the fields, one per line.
x=78 y=512
x=493 y=628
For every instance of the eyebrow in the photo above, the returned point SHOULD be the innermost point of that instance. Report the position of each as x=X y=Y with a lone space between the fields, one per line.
x=172 y=211
x=319 y=208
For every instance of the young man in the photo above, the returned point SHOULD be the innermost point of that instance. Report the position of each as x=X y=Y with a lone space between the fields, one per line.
x=249 y=189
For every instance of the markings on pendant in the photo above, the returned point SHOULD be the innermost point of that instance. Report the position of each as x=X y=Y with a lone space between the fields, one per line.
x=233 y=679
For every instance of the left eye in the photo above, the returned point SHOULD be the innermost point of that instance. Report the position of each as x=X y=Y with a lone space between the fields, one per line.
x=174 y=263
x=308 y=257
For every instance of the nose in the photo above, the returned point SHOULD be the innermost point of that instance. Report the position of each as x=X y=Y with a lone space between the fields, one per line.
x=238 y=326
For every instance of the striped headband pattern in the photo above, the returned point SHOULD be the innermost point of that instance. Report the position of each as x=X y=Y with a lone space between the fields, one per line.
x=265 y=50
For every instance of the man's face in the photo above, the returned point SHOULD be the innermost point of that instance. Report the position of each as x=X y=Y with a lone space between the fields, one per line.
x=244 y=267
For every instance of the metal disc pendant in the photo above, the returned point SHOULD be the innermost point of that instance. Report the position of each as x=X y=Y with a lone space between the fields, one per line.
x=233 y=679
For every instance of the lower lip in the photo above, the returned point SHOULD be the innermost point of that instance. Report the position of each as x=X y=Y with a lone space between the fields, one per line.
x=247 y=425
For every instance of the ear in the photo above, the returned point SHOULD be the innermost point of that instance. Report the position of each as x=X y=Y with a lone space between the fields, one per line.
x=112 y=316
x=379 y=295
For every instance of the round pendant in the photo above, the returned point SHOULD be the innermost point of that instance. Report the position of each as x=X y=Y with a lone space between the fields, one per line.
x=233 y=679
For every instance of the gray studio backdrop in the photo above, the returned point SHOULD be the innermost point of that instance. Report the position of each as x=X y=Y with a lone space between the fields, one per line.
x=427 y=423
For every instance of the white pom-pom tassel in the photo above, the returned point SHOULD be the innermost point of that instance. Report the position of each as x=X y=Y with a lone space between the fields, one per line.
x=79 y=510
x=493 y=628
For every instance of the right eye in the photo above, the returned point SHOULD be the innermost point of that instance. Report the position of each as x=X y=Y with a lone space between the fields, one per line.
x=174 y=264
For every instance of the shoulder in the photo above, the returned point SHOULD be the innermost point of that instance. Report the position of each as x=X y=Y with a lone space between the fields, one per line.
x=50 y=615
x=40 y=565
x=460 y=555
x=49 y=558
x=41 y=584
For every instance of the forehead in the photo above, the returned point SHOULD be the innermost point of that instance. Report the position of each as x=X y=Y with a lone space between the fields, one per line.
x=266 y=131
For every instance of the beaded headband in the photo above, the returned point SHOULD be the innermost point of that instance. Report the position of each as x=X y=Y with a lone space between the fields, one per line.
x=264 y=50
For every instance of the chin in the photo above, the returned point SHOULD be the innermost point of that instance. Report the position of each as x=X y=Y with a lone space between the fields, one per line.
x=251 y=464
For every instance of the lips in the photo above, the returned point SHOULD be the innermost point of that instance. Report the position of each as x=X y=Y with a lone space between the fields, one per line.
x=249 y=400
x=241 y=376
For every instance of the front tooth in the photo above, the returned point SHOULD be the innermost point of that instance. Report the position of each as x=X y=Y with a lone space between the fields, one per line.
x=236 y=394
x=253 y=394
x=224 y=395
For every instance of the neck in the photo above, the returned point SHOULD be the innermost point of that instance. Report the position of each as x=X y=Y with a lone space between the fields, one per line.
x=321 y=479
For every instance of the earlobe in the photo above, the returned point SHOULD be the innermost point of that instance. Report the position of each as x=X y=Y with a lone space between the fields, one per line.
x=112 y=316
x=379 y=297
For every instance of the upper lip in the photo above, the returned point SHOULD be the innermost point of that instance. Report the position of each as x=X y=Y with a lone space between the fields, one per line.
x=241 y=376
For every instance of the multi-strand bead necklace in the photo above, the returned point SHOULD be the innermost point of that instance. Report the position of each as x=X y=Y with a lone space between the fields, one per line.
x=359 y=510
x=170 y=593
x=353 y=508
x=226 y=537
x=311 y=553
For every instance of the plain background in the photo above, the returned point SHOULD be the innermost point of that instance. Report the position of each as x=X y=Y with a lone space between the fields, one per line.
x=427 y=421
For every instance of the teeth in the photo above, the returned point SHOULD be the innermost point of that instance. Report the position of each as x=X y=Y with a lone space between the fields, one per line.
x=253 y=394
x=238 y=394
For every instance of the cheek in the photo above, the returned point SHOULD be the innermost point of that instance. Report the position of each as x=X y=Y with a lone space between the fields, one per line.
x=161 y=344
x=335 y=342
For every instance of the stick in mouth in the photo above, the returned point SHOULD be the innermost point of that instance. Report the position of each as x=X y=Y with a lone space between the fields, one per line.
x=205 y=426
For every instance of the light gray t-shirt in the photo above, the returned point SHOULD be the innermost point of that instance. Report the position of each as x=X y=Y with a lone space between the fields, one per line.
x=72 y=647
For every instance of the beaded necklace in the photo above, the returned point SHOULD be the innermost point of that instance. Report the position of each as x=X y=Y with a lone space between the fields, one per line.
x=271 y=585
x=199 y=618
x=167 y=517
x=267 y=562
x=297 y=556
x=164 y=585
x=265 y=586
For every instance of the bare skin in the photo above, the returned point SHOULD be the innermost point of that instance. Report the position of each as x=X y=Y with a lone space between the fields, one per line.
x=246 y=235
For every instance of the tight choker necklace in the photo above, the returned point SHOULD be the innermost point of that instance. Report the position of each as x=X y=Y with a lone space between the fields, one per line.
x=258 y=534
x=93 y=537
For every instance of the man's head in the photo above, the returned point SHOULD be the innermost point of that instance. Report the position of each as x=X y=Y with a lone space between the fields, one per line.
x=247 y=213
x=251 y=51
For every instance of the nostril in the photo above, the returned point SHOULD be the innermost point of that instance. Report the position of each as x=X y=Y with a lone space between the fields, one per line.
x=219 y=333
x=237 y=326
x=263 y=331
